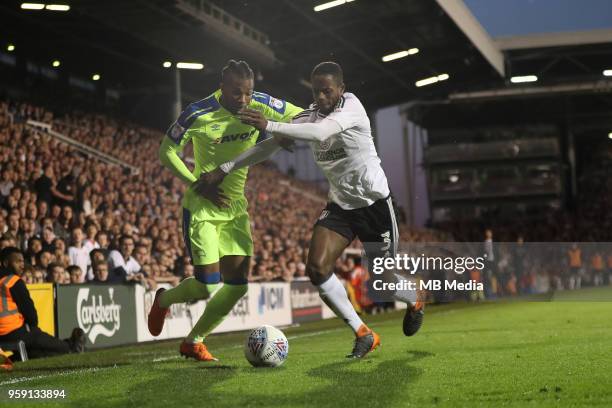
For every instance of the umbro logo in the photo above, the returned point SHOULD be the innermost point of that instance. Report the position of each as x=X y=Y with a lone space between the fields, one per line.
x=215 y=127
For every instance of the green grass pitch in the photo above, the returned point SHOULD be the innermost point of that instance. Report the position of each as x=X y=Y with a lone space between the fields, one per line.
x=494 y=354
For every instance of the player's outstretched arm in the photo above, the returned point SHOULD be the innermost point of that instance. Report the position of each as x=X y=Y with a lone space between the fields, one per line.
x=298 y=131
x=256 y=154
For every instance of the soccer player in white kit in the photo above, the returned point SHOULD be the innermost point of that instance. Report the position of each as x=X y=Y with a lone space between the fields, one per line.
x=338 y=130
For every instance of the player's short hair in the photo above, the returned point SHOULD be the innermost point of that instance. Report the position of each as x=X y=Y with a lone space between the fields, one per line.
x=238 y=68
x=329 y=68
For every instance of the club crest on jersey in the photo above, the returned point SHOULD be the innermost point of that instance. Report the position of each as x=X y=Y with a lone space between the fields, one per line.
x=325 y=144
x=276 y=103
x=215 y=127
x=176 y=132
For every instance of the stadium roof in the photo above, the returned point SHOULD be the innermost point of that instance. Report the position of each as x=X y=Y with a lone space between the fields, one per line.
x=127 y=42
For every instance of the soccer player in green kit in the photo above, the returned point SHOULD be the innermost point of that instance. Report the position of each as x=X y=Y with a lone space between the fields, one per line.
x=217 y=235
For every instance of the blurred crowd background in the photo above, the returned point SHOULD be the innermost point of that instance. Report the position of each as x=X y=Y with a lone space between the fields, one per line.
x=79 y=219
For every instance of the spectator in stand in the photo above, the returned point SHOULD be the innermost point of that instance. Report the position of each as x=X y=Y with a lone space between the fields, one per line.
x=102 y=240
x=65 y=223
x=44 y=187
x=48 y=236
x=44 y=258
x=13 y=225
x=78 y=253
x=28 y=274
x=95 y=256
x=91 y=231
x=60 y=252
x=34 y=247
x=100 y=271
x=38 y=275
x=55 y=273
x=75 y=273
x=6 y=183
x=65 y=190
x=124 y=267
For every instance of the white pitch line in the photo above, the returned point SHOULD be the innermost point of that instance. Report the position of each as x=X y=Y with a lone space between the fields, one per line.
x=60 y=374
x=155 y=360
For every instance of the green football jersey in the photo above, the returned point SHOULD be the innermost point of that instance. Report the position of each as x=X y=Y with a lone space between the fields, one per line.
x=219 y=136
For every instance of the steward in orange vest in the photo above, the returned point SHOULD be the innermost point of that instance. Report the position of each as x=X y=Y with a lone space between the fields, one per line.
x=18 y=317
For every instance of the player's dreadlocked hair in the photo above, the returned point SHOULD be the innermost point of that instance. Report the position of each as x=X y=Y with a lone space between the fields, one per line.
x=329 y=68
x=239 y=68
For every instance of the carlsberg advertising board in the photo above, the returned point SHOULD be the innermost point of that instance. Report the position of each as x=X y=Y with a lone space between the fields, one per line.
x=106 y=313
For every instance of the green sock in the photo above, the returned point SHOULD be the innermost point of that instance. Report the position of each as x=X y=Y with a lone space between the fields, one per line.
x=217 y=308
x=188 y=290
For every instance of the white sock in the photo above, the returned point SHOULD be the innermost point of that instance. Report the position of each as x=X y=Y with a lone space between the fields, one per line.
x=405 y=296
x=334 y=295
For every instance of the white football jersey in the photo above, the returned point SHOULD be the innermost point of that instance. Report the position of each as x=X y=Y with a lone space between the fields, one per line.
x=348 y=159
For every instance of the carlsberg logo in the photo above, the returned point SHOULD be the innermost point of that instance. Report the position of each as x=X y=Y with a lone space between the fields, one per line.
x=95 y=316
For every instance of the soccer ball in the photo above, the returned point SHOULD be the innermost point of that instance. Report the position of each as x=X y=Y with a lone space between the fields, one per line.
x=266 y=346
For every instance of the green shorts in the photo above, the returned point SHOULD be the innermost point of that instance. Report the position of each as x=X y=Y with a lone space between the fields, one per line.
x=211 y=233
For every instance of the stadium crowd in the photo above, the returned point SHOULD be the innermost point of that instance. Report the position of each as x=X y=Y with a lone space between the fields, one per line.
x=79 y=219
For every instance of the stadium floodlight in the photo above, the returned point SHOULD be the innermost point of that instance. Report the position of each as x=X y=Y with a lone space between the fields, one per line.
x=524 y=78
x=189 y=65
x=610 y=135
x=58 y=7
x=331 y=4
x=96 y=77
x=167 y=64
x=431 y=80
x=10 y=48
x=55 y=63
x=32 y=6
x=400 y=54
x=608 y=72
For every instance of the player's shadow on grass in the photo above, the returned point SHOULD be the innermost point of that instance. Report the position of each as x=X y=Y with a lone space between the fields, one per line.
x=353 y=382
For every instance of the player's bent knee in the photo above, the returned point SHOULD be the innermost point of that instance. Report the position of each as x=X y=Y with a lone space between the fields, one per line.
x=317 y=272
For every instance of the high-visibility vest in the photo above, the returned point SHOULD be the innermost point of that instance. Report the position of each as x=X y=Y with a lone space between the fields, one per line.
x=575 y=259
x=10 y=318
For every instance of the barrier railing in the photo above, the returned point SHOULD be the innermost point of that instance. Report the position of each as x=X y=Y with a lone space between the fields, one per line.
x=83 y=148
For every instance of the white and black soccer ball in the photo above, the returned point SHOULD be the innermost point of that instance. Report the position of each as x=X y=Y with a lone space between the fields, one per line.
x=266 y=346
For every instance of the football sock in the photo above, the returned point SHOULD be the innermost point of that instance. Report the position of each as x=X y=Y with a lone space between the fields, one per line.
x=405 y=296
x=188 y=290
x=217 y=308
x=334 y=295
